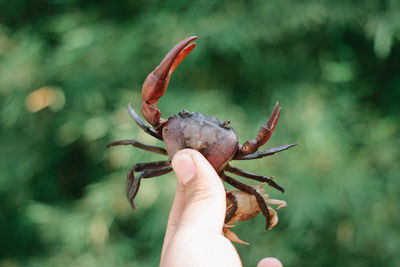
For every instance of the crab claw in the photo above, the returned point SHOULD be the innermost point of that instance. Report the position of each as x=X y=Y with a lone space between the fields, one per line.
x=268 y=128
x=157 y=81
x=263 y=135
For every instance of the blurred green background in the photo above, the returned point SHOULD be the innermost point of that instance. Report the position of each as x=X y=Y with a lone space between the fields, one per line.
x=68 y=68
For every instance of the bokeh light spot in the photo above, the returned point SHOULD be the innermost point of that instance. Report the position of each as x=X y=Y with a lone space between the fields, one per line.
x=47 y=96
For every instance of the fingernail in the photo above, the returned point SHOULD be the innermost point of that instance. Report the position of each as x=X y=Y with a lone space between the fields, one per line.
x=184 y=167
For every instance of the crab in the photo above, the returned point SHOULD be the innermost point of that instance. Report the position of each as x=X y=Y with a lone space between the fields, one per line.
x=215 y=139
x=241 y=206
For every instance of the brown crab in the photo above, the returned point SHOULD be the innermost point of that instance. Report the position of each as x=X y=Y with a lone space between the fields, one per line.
x=245 y=207
x=215 y=139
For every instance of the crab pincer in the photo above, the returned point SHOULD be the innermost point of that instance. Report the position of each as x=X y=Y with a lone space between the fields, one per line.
x=157 y=81
x=263 y=135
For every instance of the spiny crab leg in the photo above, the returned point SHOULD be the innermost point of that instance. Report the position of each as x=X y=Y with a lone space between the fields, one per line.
x=253 y=176
x=264 y=133
x=231 y=210
x=147 y=170
x=265 y=153
x=156 y=82
x=154 y=149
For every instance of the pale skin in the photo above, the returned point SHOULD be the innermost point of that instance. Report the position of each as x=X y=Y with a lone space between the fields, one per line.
x=194 y=231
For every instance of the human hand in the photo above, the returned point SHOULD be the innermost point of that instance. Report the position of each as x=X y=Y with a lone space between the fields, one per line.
x=194 y=232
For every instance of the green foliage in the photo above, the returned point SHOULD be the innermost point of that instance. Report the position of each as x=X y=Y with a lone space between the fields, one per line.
x=333 y=65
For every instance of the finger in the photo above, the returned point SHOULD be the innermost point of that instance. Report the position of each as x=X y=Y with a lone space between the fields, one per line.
x=204 y=194
x=174 y=215
x=269 y=262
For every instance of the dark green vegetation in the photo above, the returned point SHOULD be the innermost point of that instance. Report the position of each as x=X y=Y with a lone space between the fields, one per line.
x=333 y=65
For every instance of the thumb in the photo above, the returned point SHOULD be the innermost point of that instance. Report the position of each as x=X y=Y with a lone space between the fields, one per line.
x=205 y=205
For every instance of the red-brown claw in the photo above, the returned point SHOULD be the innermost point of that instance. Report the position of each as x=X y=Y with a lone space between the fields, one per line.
x=268 y=128
x=156 y=82
x=271 y=118
x=263 y=135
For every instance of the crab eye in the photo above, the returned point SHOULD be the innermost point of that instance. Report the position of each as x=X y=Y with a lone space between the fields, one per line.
x=164 y=130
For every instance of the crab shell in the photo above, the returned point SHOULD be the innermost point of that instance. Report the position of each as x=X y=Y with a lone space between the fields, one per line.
x=208 y=135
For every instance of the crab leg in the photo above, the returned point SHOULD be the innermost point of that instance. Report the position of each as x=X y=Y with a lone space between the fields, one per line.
x=250 y=190
x=233 y=237
x=155 y=149
x=150 y=169
x=264 y=153
x=138 y=167
x=156 y=82
x=264 y=134
x=232 y=210
x=142 y=124
x=281 y=203
x=256 y=177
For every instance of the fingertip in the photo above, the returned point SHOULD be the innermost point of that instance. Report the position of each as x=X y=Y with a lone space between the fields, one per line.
x=270 y=262
x=203 y=168
x=184 y=167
